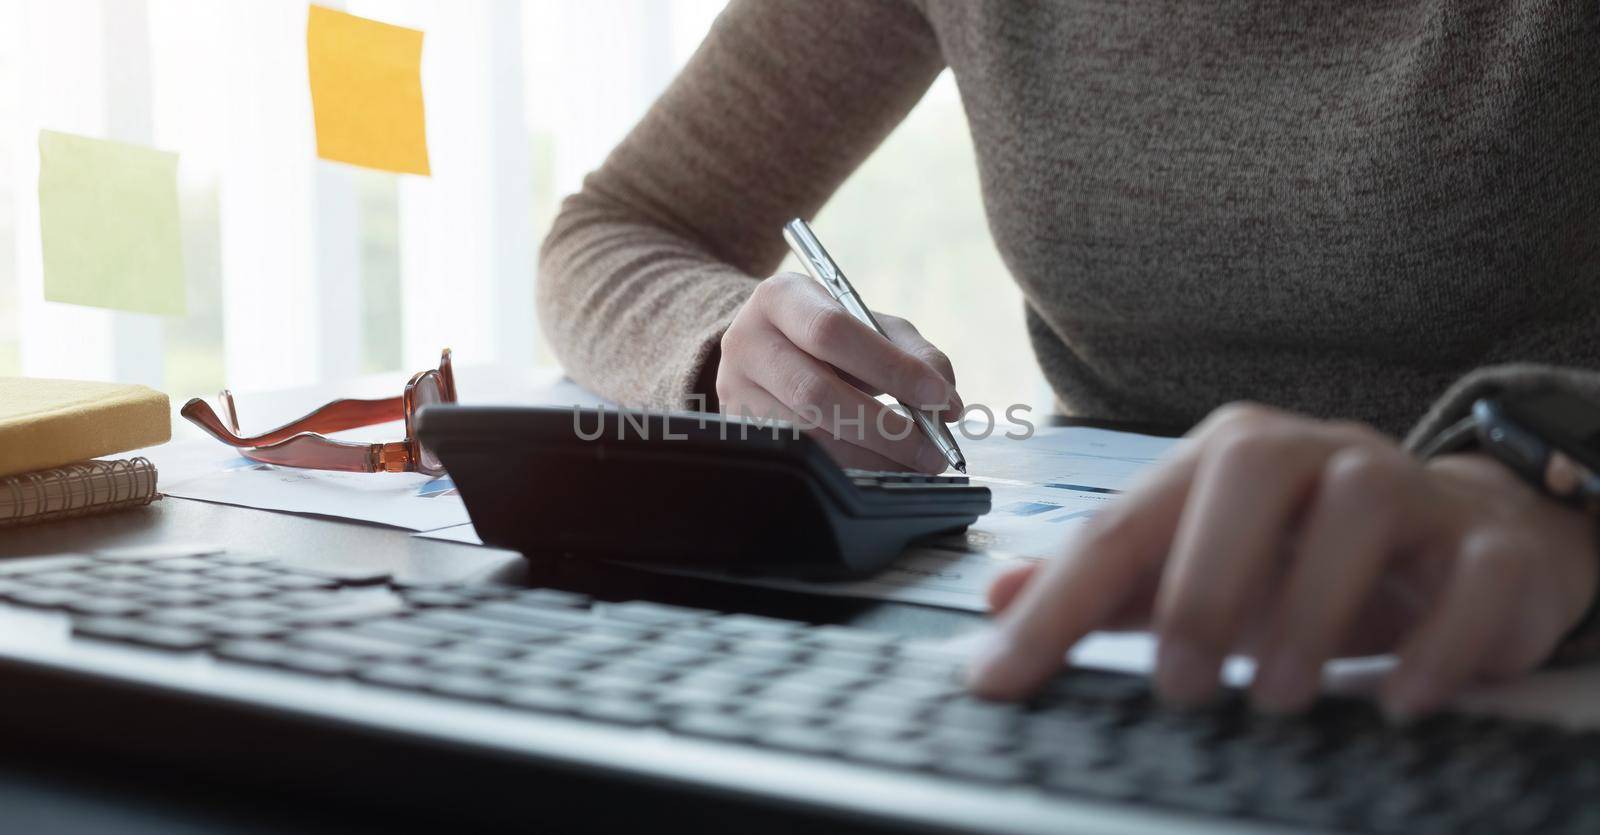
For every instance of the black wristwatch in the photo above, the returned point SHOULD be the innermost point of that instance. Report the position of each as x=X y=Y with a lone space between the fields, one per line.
x=1551 y=438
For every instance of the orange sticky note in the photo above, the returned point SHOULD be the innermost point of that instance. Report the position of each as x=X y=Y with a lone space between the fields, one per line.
x=366 y=91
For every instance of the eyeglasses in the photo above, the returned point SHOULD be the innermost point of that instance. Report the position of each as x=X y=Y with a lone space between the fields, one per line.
x=302 y=443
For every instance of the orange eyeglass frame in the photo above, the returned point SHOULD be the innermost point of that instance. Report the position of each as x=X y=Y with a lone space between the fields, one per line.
x=303 y=443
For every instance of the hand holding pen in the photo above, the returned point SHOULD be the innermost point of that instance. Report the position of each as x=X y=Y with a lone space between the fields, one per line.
x=795 y=352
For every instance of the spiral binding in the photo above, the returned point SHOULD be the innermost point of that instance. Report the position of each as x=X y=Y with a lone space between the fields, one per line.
x=77 y=490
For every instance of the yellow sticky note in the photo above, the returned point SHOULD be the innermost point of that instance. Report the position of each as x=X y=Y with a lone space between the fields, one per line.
x=108 y=222
x=366 y=92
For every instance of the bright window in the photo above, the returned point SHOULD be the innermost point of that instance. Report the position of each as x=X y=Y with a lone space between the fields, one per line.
x=301 y=270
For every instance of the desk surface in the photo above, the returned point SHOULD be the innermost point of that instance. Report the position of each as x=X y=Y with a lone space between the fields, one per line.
x=44 y=795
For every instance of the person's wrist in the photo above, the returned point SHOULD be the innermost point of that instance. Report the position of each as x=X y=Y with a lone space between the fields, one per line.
x=1574 y=587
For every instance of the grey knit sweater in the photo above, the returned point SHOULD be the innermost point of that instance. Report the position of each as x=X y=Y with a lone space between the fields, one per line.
x=1338 y=207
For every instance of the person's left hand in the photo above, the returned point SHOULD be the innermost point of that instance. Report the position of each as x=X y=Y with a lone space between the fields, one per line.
x=1296 y=541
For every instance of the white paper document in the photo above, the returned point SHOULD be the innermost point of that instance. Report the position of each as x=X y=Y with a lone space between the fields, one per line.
x=403 y=500
x=1044 y=488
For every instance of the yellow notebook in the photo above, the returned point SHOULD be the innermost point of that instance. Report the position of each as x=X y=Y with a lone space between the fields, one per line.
x=47 y=423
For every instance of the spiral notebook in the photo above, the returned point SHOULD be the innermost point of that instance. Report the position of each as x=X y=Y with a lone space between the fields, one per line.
x=76 y=490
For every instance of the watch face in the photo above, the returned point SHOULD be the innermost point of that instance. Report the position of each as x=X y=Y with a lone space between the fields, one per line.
x=1559 y=413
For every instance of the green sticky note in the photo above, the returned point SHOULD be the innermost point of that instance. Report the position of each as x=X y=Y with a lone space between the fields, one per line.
x=108 y=220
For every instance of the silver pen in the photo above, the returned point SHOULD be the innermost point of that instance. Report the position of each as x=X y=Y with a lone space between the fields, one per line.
x=822 y=268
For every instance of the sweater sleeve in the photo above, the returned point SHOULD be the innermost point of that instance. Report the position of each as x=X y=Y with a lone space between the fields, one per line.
x=1456 y=402
x=646 y=265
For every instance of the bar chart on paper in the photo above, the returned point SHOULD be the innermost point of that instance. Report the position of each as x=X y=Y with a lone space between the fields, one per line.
x=1044 y=488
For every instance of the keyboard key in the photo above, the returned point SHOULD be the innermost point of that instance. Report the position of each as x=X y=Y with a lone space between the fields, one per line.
x=597 y=644
x=983 y=768
x=315 y=599
x=297 y=582
x=109 y=607
x=242 y=559
x=619 y=711
x=399 y=676
x=115 y=588
x=170 y=638
x=108 y=629
x=856 y=640
x=889 y=752
x=774 y=651
x=560 y=659
x=177 y=581
x=404 y=631
x=882 y=705
x=1211 y=799
x=542 y=698
x=924 y=671
x=247 y=628
x=341 y=642
x=548 y=618
x=830 y=681
x=464 y=626
x=694 y=639
x=800 y=738
x=172 y=598
x=122 y=572
x=801 y=695
x=453 y=664
x=712 y=724
x=438 y=599
x=61 y=579
x=767 y=710
x=1098 y=783
x=354 y=609
x=632 y=670
x=252 y=652
x=489 y=649
x=672 y=657
x=315 y=663
x=237 y=590
x=847 y=661
x=543 y=598
x=997 y=716
x=872 y=725
x=183 y=617
x=756 y=626
x=251 y=609
x=471 y=688
x=654 y=614
x=44 y=598
x=183 y=564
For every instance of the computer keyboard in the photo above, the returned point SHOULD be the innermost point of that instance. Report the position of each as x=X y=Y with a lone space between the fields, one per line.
x=827 y=693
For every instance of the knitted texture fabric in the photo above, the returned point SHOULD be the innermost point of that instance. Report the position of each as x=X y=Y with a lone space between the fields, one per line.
x=1339 y=208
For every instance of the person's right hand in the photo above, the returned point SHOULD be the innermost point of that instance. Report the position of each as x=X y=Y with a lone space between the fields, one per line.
x=794 y=353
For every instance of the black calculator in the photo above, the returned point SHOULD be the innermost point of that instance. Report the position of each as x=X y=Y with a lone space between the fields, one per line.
x=686 y=489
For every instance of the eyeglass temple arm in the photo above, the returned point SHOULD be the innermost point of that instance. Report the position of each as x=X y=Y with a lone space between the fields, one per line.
x=313 y=451
x=339 y=415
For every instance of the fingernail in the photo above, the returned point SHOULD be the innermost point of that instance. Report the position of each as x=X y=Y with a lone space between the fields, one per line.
x=1409 y=696
x=1282 y=685
x=994 y=669
x=931 y=460
x=933 y=393
x=1186 y=675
